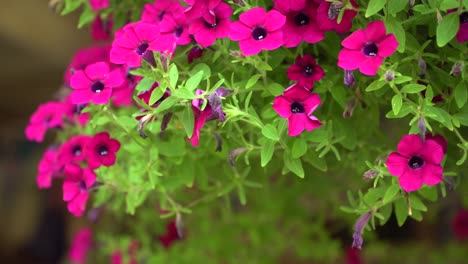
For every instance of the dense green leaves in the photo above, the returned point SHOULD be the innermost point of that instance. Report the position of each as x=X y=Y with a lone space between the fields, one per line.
x=447 y=28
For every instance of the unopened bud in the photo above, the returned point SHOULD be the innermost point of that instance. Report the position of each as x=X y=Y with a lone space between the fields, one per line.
x=179 y=225
x=195 y=53
x=389 y=75
x=166 y=119
x=410 y=7
x=358 y=228
x=149 y=57
x=142 y=123
x=234 y=153
x=348 y=112
x=219 y=142
x=239 y=2
x=370 y=174
x=236 y=54
x=348 y=79
x=422 y=128
x=457 y=68
x=422 y=67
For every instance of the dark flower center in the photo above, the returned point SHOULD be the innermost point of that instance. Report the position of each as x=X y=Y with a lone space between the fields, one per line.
x=415 y=162
x=82 y=185
x=301 y=19
x=103 y=150
x=259 y=33
x=370 y=49
x=297 y=108
x=161 y=15
x=76 y=150
x=97 y=87
x=464 y=18
x=141 y=49
x=178 y=31
x=308 y=70
x=209 y=25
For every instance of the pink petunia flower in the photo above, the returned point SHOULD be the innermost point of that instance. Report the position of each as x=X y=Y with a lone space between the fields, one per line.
x=48 y=168
x=301 y=25
x=72 y=151
x=174 y=28
x=460 y=225
x=97 y=5
x=73 y=112
x=101 y=150
x=101 y=29
x=462 y=34
x=206 y=33
x=366 y=49
x=47 y=115
x=416 y=162
x=135 y=41
x=81 y=245
x=76 y=185
x=171 y=235
x=294 y=5
x=297 y=105
x=328 y=12
x=440 y=140
x=84 y=57
x=258 y=30
x=305 y=71
x=95 y=83
x=155 y=13
x=202 y=9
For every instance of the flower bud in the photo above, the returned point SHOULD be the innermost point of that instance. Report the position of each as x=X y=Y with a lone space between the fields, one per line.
x=422 y=128
x=349 y=80
x=142 y=123
x=457 y=68
x=370 y=174
x=358 y=228
x=234 y=153
x=348 y=112
x=239 y=2
x=195 y=53
x=389 y=75
x=422 y=67
x=219 y=142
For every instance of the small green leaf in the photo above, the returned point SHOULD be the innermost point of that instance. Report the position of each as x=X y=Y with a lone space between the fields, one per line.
x=460 y=94
x=402 y=79
x=395 y=6
x=416 y=203
x=166 y=104
x=156 y=94
x=299 y=148
x=135 y=199
x=86 y=17
x=404 y=111
x=396 y=27
x=267 y=151
x=413 y=88
x=241 y=193
x=202 y=67
x=374 y=6
x=145 y=84
x=397 y=102
x=252 y=80
x=294 y=165
x=173 y=75
x=375 y=85
x=386 y=212
x=390 y=193
x=401 y=211
x=188 y=121
x=194 y=80
x=447 y=28
x=269 y=131
x=70 y=6
x=184 y=93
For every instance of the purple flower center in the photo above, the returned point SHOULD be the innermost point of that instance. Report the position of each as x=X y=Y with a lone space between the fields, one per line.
x=209 y=25
x=464 y=18
x=76 y=150
x=141 y=49
x=97 y=87
x=259 y=33
x=308 y=70
x=297 y=108
x=370 y=49
x=415 y=162
x=82 y=185
x=161 y=15
x=301 y=19
x=178 y=31
x=102 y=150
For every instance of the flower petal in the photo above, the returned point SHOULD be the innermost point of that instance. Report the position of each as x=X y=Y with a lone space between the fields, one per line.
x=396 y=164
x=375 y=31
x=410 y=145
x=282 y=106
x=296 y=124
x=432 y=152
x=370 y=65
x=432 y=174
x=387 y=46
x=355 y=41
x=411 y=180
x=253 y=17
x=350 y=59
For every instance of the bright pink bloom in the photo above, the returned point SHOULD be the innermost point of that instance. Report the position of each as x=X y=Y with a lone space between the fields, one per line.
x=258 y=30
x=171 y=235
x=116 y=257
x=327 y=16
x=366 y=49
x=460 y=225
x=462 y=34
x=81 y=244
x=75 y=187
x=301 y=25
x=101 y=29
x=135 y=41
x=440 y=140
x=97 y=5
x=206 y=33
x=416 y=162
x=123 y=95
x=305 y=71
x=84 y=57
x=73 y=112
x=47 y=115
x=297 y=105
x=353 y=256
x=95 y=83
x=72 y=151
x=202 y=9
x=174 y=28
x=154 y=13
x=294 y=5
x=48 y=168
x=101 y=150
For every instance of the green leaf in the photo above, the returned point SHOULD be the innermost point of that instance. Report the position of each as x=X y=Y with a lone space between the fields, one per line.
x=269 y=131
x=397 y=102
x=145 y=84
x=294 y=165
x=391 y=192
x=135 y=199
x=156 y=94
x=202 y=67
x=267 y=151
x=401 y=211
x=184 y=93
x=396 y=27
x=460 y=94
x=404 y=111
x=373 y=195
x=252 y=80
x=173 y=75
x=188 y=121
x=449 y=4
x=375 y=85
x=402 y=79
x=351 y=199
x=386 y=212
x=299 y=148
x=447 y=28
x=395 y=6
x=165 y=104
x=374 y=6
x=86 y=17
x=194 y=80
x=70 y=6
x=413 y=88
x=416 y=203
x=439 y=115
x=313 y=159
x=241 y=193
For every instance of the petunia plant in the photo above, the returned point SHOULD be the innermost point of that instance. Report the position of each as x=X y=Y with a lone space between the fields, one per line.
x=180 y=135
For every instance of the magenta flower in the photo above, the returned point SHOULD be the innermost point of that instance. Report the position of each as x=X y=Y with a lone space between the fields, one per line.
x=327 y=16
x=75 y=187
x=440 y=140
x=206 y=33
x=297 y=105
x=47 y=115
x=305 y=71
x=416 y=162
x=48 y=168
x=72 y=151
x=123 y=95
x=101 y=150
x=171 y=235
x=365 y=49
x=154 y=13
x=294 y=5
x=462 y=34
x=95 y=83
x=301 y=25
x=194 y=53
x=134 y=42
x=460 y=225
x=101 y=29
x=84 y=57
x=258 y=30
x=202 y=9
x=97 y=5
x=174 y=28
x=81 y=245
